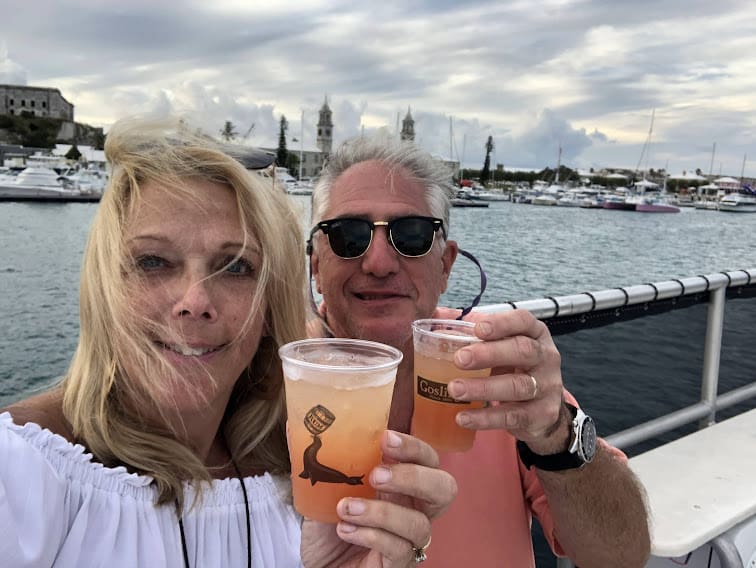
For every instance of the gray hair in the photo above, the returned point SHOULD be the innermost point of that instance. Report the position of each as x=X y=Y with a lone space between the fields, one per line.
x=431 y=172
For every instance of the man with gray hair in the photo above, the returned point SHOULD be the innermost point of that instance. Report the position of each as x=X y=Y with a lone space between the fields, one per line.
x=380 y=257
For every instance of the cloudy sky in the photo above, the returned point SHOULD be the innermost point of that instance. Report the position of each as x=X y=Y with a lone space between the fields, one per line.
x=585 y=75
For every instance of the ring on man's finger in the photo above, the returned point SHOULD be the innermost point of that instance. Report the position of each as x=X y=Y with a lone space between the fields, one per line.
x=535 y=387
x=419 y=552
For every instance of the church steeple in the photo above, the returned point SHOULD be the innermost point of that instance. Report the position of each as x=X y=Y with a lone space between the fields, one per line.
x=408 y=127
x=325 y=129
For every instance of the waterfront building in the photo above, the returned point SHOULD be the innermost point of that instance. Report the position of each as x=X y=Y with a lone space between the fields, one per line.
x=37 y=101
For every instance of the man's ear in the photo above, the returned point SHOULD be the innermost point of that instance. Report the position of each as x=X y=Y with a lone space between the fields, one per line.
x=447 y=259
x=315 y=269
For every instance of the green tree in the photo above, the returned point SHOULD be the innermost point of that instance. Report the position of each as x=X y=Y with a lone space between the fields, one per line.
x=99 y=139
x=292 y=163
x=282 y=154
x=73 y=153
x=229 y=131
x=486 y=171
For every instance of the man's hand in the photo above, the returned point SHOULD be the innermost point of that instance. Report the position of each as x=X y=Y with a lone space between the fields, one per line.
x=524 y=391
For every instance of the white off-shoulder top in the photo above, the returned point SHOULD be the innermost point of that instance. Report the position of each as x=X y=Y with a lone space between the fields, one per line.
x=58 y=508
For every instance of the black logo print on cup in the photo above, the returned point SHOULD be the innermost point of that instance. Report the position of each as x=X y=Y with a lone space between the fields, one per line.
x=437 y=392
x=317 y=420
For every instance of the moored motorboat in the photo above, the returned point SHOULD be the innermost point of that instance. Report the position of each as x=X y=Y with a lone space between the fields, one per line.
x=544 y=200
x=742 y=202
x=43 y=184
x=462 y=202
x=655 y=205
x=618 y=203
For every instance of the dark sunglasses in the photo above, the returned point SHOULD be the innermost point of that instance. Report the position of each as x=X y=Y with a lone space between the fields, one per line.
x=411 y=236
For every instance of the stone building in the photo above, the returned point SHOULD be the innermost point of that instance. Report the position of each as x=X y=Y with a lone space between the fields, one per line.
x=325 y=129
x=38 y=101
x=408 y=127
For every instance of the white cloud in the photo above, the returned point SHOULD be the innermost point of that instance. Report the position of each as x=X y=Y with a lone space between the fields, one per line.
x=585 y=74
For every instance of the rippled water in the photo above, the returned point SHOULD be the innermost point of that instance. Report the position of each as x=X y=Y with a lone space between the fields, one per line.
x=527 y=251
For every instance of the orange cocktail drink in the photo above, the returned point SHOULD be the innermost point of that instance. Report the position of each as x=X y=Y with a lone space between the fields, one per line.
x=433 y=419
x=338 y=397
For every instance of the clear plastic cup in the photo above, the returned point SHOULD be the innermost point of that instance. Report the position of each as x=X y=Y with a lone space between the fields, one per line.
x=433 y=420
x=338 y=398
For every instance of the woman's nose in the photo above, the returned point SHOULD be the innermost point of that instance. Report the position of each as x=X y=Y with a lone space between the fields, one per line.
x=195 y=301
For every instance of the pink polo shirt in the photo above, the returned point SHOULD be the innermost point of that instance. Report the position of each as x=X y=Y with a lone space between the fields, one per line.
x=488 y=524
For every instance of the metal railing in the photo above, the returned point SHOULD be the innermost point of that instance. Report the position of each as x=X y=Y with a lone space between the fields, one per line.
x=716 y=286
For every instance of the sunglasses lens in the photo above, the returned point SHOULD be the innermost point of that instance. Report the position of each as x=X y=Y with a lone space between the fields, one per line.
x=349 y=238
x=412 y=236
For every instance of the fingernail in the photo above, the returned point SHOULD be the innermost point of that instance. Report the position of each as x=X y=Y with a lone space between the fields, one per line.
x=456 y=389
x=393 y=439
x=463 y=357
x=346 y=527
x=485 y=328
x=381 y=475
x=356 y=506
x=463 y=419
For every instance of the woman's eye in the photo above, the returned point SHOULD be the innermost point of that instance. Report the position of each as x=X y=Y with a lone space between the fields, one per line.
x=150 y=262
x=238 y=266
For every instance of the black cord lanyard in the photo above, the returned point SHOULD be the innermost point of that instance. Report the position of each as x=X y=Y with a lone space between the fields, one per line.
x=249 y=526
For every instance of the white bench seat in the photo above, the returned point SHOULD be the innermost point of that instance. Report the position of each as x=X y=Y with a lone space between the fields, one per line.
x=700 y=485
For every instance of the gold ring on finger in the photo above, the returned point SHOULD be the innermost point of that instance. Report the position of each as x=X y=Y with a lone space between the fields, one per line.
x=419 y=552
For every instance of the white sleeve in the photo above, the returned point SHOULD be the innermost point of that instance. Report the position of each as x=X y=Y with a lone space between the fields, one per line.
x=32 y=523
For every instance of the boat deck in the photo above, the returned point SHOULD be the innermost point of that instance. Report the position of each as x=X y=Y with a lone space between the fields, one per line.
x=701 y=485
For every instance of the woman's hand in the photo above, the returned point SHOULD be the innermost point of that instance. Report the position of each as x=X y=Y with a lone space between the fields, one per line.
x=383 y=532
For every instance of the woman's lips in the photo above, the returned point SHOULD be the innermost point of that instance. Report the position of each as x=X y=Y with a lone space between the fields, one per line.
x=190 y=351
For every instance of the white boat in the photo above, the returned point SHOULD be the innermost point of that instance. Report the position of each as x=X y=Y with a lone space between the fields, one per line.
x=485 y=195
x=299 y=188
x=43 y=184
x=707 y=205
x=572 y=198
x=544 y=199
x=741 y=202
x=84 y=180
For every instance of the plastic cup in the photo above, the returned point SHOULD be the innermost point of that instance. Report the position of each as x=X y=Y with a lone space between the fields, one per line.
x=338 y=398
x=433 y=420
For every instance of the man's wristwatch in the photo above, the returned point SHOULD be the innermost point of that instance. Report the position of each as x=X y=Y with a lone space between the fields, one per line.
x=581 y=450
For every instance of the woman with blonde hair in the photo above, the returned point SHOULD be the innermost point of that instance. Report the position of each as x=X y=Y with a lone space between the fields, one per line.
x=164 y=444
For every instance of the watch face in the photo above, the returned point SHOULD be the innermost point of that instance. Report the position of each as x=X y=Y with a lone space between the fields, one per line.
x=588 y=439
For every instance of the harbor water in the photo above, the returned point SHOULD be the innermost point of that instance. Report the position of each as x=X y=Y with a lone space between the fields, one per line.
x=640 y=370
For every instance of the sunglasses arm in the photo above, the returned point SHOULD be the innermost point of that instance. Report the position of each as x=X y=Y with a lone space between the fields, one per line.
x=483 y=282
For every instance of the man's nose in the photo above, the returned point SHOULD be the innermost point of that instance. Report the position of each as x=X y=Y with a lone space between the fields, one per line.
x=381 y=259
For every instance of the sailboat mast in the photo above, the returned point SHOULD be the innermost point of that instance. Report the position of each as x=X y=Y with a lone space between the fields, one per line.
x=711 y=165
x=644 y=150
x=648 y=143
x=742 y=170
x=301 y=145
x=559 y=165
x=464 y=149
x=451 y=138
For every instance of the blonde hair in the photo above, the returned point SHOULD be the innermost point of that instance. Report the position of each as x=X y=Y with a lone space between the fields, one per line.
x=101 y=401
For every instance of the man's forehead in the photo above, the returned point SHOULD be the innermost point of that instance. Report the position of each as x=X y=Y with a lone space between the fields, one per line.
x=373 y=184
x=379 y=175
